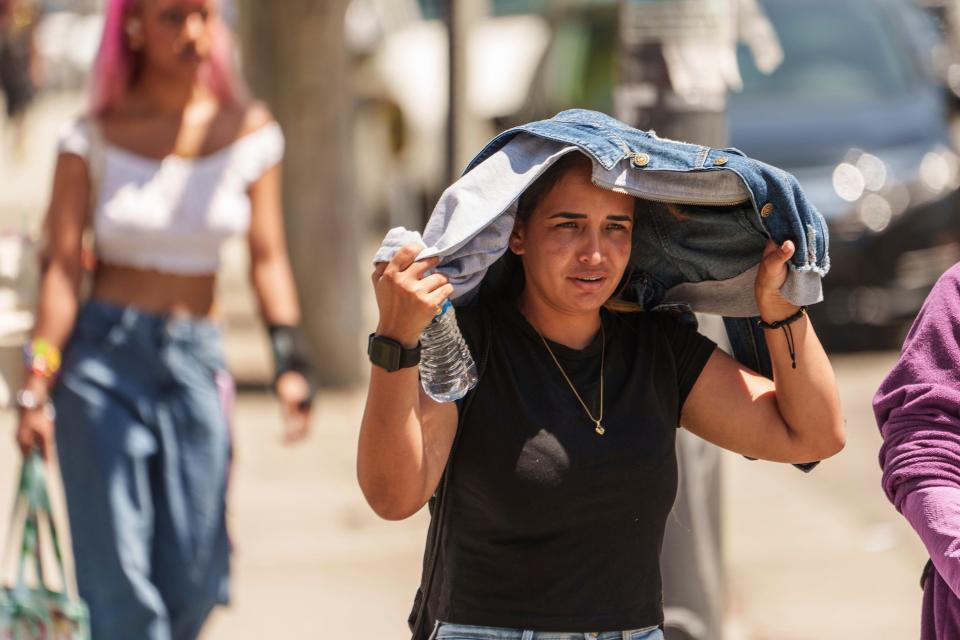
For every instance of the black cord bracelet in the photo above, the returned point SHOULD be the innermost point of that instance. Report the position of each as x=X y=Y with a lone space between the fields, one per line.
x=787 y=331
x=776 y=324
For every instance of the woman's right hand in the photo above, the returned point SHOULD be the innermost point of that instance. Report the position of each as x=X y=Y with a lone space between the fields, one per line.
x=35 y=430
x=408 y=301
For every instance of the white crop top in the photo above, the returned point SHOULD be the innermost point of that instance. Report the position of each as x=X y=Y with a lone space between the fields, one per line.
x=170 y=215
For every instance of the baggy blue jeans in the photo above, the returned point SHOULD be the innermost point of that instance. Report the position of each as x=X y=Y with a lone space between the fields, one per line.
x=447 y=631
x=144 y=446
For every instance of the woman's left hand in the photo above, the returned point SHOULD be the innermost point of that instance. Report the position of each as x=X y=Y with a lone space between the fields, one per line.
x=293 y=391
x=771 y=276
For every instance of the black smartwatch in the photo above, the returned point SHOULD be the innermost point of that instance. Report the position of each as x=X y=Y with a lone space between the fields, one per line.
x=389 y=354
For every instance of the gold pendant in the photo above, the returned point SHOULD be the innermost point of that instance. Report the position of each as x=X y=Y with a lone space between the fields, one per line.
x=599 y=429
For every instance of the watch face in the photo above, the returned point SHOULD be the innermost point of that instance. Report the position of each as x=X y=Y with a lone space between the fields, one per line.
x=385 y=354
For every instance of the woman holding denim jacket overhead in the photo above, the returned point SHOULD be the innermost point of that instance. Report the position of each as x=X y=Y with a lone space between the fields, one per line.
x=565 y=469
x=171 y=160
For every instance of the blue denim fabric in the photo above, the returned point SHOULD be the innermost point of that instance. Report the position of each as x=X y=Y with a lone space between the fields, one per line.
x=610 y=143
x=706 y=259
x=713 y=248
x=465 y=632
x=143 y=444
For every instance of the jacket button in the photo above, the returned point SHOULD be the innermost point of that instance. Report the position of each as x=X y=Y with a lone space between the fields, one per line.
x=641 y=160
x=766 y=210
x=720 y=161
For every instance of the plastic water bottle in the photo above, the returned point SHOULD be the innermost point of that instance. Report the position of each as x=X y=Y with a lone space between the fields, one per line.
x=447 y=370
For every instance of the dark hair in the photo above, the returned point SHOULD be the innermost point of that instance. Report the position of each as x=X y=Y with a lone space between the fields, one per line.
x=531 y=198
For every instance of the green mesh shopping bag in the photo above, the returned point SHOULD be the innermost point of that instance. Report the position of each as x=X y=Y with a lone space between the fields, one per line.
x=38 y=613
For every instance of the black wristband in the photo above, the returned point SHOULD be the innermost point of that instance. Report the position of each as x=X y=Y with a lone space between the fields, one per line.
x=787 y=331
x=390 y=355
x=291 y=353
x=776 y=324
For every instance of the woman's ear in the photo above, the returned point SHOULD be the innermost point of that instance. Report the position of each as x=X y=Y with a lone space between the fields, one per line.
x=517 y=238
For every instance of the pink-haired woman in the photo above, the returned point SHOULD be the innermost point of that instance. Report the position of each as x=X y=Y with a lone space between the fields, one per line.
x=171 y=160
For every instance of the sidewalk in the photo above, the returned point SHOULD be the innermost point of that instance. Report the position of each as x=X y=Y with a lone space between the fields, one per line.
x=312 y=560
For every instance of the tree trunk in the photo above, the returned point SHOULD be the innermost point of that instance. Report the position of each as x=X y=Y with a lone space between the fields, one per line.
x=294 y=59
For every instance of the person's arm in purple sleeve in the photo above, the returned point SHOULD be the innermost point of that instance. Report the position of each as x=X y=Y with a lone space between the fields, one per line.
x=918 y=410
x=934 y=512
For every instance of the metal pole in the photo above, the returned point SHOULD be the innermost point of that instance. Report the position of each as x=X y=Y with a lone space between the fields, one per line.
x=453 y=79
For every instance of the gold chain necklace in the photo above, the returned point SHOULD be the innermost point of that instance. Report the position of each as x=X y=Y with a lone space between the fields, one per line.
x=598 y=427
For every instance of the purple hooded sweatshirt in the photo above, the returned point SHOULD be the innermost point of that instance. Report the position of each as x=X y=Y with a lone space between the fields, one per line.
x=918 y=410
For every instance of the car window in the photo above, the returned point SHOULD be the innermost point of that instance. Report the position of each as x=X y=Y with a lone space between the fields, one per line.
x=833 y=51
x=433 y=9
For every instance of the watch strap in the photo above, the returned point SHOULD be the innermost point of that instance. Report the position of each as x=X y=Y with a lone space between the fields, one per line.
x=389 y=354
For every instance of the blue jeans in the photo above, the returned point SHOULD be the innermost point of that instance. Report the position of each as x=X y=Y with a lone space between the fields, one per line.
x=466 y=632
x=144 y=445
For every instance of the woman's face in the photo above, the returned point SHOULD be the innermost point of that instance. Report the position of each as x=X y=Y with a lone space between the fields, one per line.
x=176 y=35
x=576 y=244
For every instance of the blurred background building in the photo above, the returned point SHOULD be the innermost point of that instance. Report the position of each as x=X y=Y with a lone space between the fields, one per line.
x=859 y=99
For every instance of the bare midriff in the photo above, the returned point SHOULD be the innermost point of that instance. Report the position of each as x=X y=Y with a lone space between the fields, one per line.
x=155 y=292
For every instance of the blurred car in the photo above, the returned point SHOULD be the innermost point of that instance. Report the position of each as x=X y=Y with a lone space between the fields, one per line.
x=857 y=113
x=399 y=50
x=525 y=59
x=578 y=68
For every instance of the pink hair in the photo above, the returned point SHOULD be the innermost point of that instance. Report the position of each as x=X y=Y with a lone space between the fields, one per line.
x=115 y=63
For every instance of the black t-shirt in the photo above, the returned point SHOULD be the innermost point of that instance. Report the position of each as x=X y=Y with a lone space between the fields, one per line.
x=551 y=526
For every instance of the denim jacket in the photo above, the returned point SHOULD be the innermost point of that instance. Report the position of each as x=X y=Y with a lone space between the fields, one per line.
x=705 y=260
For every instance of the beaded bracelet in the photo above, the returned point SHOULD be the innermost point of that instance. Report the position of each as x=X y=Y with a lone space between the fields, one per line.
x=787 y=331
x=42 y=358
